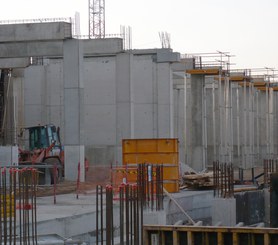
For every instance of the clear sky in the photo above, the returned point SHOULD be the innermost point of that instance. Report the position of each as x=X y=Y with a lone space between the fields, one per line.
x=245 y=28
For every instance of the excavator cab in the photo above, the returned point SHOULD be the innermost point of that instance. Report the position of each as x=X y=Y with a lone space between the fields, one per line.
x=43 y=137
x=44 y=149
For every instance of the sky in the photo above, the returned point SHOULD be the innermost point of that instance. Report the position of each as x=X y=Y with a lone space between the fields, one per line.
x=246 y=29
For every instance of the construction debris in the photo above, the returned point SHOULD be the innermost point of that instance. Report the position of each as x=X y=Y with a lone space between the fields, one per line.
x=197 y=181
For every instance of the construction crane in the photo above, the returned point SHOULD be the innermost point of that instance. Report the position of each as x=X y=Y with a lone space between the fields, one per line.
x=96 y=18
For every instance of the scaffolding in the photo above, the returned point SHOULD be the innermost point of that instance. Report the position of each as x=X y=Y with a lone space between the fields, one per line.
x=238 y=111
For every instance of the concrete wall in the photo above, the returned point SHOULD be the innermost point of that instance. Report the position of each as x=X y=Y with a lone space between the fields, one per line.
x=126 y=95
x=245 y=135
x=8 y=155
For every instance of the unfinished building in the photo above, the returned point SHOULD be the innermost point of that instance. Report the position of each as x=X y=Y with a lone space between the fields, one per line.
x=99 y=94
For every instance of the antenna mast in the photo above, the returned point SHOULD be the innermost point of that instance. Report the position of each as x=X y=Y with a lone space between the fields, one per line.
x=96 y=18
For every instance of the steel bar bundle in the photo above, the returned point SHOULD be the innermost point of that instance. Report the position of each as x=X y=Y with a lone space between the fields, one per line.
x=18 y=206
x=130 y=215
x=270 y=166
x=223 y=179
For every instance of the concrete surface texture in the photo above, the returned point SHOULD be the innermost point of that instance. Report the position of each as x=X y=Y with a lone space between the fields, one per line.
x=224 y=211
x=70 y=217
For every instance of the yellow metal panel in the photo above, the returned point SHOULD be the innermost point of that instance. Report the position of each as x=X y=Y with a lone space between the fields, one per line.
x=154 y=151
x=149 y=145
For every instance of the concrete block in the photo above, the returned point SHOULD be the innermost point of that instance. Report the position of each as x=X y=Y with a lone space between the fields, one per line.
x=102 y=46
x=165 y=56
x=224 y=211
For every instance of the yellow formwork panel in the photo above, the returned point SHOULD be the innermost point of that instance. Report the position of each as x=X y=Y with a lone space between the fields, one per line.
x=154 y=151
x=150 y=145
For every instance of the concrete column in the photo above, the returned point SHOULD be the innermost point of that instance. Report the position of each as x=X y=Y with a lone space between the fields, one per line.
x=124 y=101
x=196 y=160
x=165 y=112
x=74 y=109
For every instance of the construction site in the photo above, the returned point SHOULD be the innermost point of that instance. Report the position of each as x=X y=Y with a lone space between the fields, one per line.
x=105 y=144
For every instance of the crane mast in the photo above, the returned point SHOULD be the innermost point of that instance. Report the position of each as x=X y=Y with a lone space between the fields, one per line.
x=96 y=18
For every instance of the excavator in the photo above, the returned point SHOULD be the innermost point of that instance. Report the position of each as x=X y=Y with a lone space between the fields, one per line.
x=45 y=149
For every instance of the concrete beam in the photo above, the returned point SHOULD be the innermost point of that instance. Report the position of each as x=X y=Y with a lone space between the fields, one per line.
x=92 y=47
x=102 y=46
x=8 y=63
x=28 y=49
x=35 y=31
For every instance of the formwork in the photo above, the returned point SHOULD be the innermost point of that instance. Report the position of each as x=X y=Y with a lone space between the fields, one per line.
x=208 y=235
x=154 y=151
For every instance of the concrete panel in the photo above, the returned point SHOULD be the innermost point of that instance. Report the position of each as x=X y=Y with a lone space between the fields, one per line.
x=14 y=63
x=124 y=122
x=8 y=156
x=195 y=203
x=100 y=81
x=224 y=211
x=143 y=121
x=74 y=154
x=164 y=84
x=142 y=79
x=100 y=121
x=35 y=31
x=250 y=207
x=54 y=84
x=55 y=115
x=34 y=85
x=124 y=63
x=100 y=154
x=164 y=121
x=102 y=46
x=34 y=116
x=167 y=56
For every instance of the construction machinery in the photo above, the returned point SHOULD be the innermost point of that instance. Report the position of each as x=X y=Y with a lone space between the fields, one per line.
x=45 y=150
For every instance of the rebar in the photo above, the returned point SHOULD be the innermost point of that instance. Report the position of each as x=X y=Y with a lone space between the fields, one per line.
x=223 y=179
x=18 y=206
x=270 y=166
